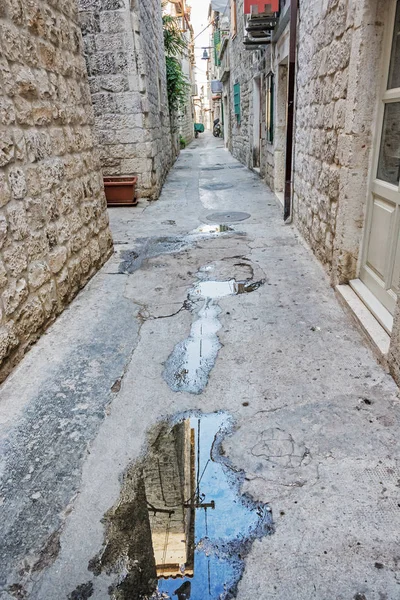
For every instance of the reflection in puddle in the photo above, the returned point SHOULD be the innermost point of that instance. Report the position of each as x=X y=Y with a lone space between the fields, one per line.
x=213 y=229
x=219 y=289
x=188 y=367
x=181 y=529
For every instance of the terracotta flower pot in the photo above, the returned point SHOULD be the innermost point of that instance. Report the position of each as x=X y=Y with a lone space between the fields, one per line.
x=120 y=191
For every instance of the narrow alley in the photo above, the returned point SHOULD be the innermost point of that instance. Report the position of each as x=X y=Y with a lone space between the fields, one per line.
x=209 y=359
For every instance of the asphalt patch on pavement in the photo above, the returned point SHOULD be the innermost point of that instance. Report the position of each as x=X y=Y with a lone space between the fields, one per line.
x=213 y=168
x=181 y=528
x=145 y=248
x=216 y=186
x=132 y=260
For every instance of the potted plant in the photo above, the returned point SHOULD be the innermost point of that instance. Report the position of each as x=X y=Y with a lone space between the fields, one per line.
x=120 y=191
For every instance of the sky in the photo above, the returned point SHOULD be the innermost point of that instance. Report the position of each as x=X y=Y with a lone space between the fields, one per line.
x=199 y=19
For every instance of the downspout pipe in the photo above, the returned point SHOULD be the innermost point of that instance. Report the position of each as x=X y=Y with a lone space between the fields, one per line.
x=287 y=210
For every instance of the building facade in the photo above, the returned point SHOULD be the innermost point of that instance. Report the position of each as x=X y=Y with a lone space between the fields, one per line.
x=184 y=119
x=342 y=188
x=54 y=231
x=125 y=59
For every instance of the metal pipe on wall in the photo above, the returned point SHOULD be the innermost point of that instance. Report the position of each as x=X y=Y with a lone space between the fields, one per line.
x=287 y=212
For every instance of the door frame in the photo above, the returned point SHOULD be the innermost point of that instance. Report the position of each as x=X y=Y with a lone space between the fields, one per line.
x=226 y=123
x=256 y=138
x=375 y=185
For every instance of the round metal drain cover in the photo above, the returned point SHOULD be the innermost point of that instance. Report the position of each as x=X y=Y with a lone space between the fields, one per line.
x=217 y=186
x=228 y=217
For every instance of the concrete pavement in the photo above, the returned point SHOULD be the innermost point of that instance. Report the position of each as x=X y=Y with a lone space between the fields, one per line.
x=316 y=419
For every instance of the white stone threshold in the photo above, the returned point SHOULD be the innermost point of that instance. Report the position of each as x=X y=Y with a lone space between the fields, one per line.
x=372 y=303
x=378 y=337
x=281 y=197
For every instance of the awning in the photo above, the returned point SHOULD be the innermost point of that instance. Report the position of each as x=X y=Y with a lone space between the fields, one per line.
x=219 y=5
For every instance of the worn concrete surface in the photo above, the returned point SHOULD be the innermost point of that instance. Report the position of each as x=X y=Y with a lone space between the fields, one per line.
x=317 y=419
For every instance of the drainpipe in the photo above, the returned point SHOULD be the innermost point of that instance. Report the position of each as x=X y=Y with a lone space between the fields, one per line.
x=287 y=211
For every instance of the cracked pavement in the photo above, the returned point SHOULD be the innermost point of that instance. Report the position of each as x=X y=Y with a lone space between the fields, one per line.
x=316 y=417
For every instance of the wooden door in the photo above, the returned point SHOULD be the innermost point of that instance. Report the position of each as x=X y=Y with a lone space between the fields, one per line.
x=380 y=269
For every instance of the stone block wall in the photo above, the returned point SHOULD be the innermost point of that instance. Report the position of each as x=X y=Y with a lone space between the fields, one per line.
x=186 y=121
x=339 y=53
x=245 y=65
x=186 y=115
x=124 y=51
x=53 y=222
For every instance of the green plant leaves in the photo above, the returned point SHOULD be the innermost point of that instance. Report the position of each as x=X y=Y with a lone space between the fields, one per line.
x=175 y=47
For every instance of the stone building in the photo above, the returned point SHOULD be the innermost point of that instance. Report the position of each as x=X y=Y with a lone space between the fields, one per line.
x=180 y=10
x=347 y=156
x=125 y=59
x=53 y=222
x=343 y=188
x=242 y=73
x=254 y=98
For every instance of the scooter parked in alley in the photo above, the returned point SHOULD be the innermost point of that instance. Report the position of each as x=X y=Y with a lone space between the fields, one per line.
x=217 y=129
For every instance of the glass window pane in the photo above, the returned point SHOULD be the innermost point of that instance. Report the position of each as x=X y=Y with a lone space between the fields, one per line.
x=394 y=72
x=389 y=156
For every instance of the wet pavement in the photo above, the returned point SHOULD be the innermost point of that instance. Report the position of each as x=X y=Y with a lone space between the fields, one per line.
x=180 y=526
x=203 y=421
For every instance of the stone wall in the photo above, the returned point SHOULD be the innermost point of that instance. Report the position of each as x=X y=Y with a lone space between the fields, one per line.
x=124 y=52
x=186 y=115
x=245 y=66
x=339 y=53
x=53 y=222
x=185 y=120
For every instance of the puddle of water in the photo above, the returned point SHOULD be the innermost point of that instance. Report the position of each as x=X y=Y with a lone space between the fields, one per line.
x=190 y=363
x=219 y=289
x=213 y=229
x=188 y=367
x=181 y=529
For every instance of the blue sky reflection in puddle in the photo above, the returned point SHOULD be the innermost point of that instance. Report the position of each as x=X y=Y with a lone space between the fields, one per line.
x=221 y=536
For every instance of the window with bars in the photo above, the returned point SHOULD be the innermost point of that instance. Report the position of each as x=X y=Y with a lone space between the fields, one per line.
x=269 y=108
x=236 y=101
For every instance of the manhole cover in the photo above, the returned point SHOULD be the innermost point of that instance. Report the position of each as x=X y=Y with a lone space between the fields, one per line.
x=228 y=217
x=217 y=186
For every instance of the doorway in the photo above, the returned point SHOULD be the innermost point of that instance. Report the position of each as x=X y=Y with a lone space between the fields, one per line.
x=380 y=262
x=226 y=123
x=256 y=150
x=280 y=127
